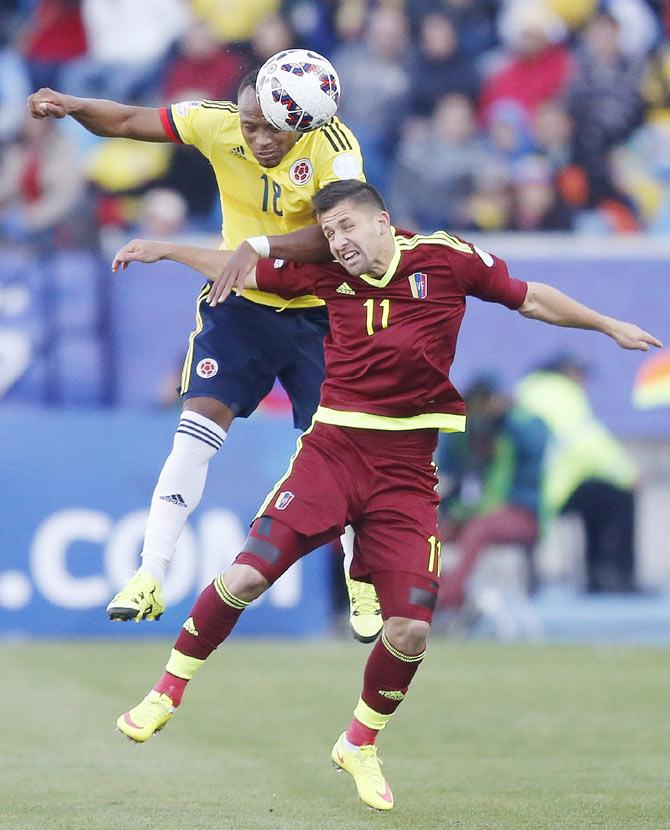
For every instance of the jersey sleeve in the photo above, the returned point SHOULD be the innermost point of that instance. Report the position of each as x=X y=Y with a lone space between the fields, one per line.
x=486 y=277
x=337 y=154
x=287 y=279
x=197 y=123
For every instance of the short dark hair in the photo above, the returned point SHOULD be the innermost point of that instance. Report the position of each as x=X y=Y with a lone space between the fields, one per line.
x=360 y=193
x=249 y=80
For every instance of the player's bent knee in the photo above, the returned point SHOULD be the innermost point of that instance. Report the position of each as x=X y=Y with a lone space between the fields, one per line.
x=407 y=635
x=245 y=582
x=211 y=408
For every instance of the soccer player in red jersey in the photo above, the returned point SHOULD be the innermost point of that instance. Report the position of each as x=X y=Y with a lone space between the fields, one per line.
x=396 y=302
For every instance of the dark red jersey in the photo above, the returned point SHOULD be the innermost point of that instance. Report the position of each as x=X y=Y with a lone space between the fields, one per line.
x=393 y=338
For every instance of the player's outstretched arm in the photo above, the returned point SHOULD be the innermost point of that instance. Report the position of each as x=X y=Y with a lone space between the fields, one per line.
x=98 y=116
x=304 y=245
x=543 y=302
x=205 y=260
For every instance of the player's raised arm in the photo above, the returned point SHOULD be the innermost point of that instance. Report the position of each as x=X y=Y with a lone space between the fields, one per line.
x=543 y=302
x=99 y=116
x=205 y=260
x=304 y=245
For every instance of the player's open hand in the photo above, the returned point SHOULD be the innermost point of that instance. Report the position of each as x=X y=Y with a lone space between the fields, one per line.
x=243 y=260
x=630 y=336
x=45 y=103
x=139 y=250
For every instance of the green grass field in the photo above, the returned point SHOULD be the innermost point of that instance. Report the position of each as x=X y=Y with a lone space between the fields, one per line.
x=490 y=737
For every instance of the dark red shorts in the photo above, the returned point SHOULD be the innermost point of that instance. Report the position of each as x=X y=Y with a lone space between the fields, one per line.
x=383 y=484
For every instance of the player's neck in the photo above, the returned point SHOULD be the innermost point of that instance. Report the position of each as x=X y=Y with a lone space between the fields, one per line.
x=382 y=261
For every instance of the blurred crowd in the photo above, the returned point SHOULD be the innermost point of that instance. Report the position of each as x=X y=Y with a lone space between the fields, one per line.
x=475 y=115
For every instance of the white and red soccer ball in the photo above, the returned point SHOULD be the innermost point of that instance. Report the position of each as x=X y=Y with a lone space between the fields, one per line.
x=298 y=90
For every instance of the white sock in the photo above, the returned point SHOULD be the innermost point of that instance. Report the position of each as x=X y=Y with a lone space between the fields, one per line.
x=179 y=489
x=347 y=542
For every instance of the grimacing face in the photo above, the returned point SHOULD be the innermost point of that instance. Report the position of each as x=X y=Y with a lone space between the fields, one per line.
x=358 y=237
x=268 y=144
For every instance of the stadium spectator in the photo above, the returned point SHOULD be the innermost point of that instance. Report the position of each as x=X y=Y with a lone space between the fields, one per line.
x=439 y=65
x=374 y=77
x=127 y=46
x=474 y=20
x=42 y=188
x=490 y=484
x=235 y=20
x=605 y=103
x=272 y=35
x=588 y=471
x=538 y=63
x=201 y=63
x=14 y=87
x=53 y=36
x=535 y=204
x=436 y=165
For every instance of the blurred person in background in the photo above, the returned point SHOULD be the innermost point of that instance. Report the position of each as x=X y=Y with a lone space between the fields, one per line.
x=589 y=473
x=52 y=37
x=538 y=63
x=439 y=65
x=128 y=42
x=605 y=103
x=202 y=63
x=272 y=34
x=473 y=20
x=233 y=21
x=375 y=83
x=536 y=204
x=490 y=484
x=436 y=165
x=489 y=208
x=551 y=134
x=14 y=85
x=42 y=189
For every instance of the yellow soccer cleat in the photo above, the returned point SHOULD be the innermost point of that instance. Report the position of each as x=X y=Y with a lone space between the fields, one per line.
x=141 y=598
x=147 y=718
x=363 y=766
x=365 y=613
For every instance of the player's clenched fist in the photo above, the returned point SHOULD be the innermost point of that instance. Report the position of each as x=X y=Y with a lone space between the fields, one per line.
x=46 y=103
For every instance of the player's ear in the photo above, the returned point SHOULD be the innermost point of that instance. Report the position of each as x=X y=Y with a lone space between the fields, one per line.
x=384 y=222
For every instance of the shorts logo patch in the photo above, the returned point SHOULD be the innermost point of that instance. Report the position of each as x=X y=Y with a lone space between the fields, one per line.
x=301 y=171
x=284 y=499
x=418 y=285
x=207 y=367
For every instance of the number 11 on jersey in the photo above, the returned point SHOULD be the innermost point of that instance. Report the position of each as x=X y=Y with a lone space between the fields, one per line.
x=385 y=306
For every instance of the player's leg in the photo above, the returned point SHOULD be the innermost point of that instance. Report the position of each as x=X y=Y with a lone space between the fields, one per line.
x=389 y=671
x=268 y=551
x=302 y=378
x=225 y=375
x=398 y=551
x=307 y=508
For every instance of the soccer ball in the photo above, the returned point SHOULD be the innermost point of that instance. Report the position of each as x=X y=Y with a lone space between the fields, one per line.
x=298 y=90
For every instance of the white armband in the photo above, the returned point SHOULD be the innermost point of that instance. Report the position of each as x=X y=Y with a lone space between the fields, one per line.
x=260 y=244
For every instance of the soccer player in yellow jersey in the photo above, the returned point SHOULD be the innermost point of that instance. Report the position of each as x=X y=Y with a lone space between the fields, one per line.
x=266 y=180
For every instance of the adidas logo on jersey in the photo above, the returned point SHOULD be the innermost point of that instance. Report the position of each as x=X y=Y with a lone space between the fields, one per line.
x=238 y=151
x=177 y=499
x=189 y=626
x=345 y=288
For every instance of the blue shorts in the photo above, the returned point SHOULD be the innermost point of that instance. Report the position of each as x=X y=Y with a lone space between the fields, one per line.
x=238 y=349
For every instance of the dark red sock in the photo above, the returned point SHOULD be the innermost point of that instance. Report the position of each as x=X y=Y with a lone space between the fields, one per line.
x=387 y=676
x=359 y=734
x=171 y=686
x=212 y=619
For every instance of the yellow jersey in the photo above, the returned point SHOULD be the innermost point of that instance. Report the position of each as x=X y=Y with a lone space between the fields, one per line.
x=260 y=201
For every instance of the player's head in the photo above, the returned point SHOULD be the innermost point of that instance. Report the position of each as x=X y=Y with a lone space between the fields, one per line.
x=268 y=144
x=356 y=224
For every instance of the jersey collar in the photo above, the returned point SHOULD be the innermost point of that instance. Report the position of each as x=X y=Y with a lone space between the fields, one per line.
x=383 y=281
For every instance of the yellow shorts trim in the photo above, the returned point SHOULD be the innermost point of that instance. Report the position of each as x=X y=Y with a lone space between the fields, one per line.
x=444 y=421
x=188 y=360
x=266 y=298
